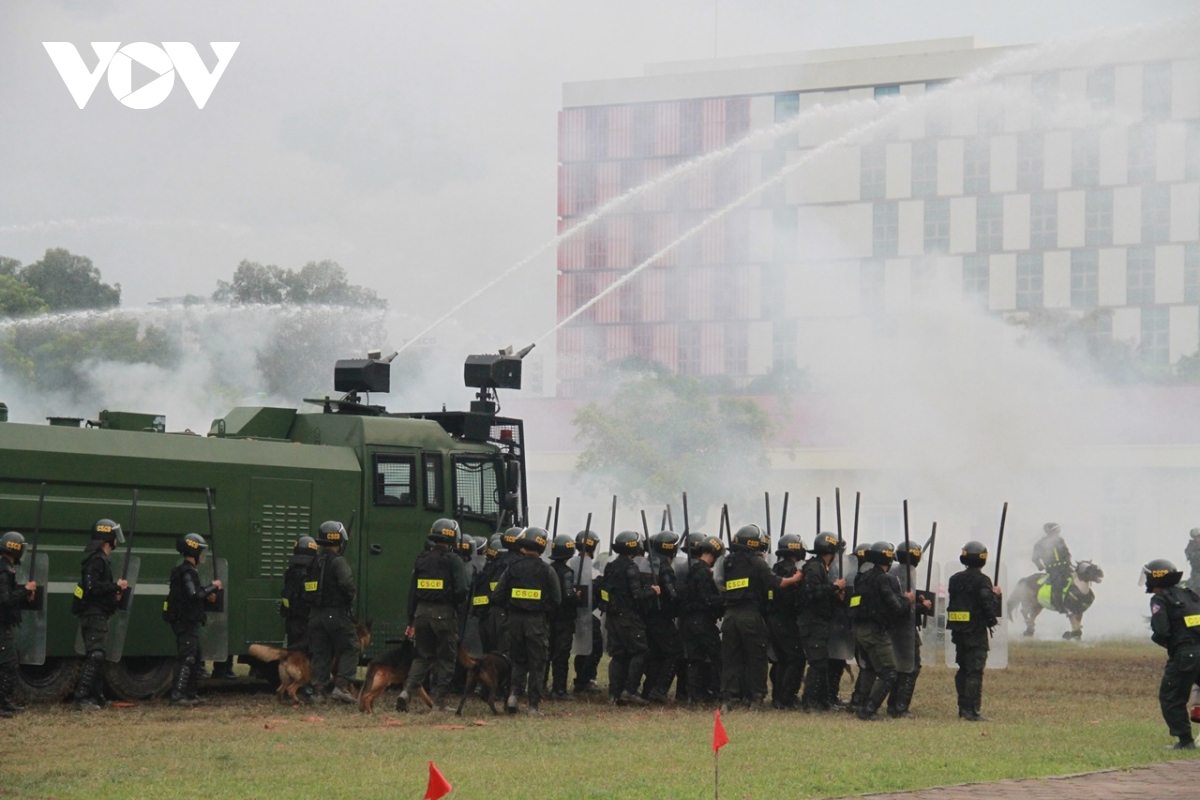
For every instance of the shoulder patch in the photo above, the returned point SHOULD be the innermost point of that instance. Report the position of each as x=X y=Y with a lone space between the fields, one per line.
x=1155 y=606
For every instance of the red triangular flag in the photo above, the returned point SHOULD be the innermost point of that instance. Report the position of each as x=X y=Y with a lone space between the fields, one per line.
x=719 y=737
x=438 y=785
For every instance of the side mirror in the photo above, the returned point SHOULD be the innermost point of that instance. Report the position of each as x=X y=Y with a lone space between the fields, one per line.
x=512 y=480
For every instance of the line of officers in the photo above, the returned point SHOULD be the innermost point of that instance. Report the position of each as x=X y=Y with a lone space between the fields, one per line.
x=719 y=620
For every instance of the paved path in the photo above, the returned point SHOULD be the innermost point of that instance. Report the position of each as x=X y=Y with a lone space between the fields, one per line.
x=1178 y=778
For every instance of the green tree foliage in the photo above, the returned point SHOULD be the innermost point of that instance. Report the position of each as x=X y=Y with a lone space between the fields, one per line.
x=67 y=282
x=298 y=358
x=9 y=266
x=17 y=298
x=317 y=282
x=659 y=434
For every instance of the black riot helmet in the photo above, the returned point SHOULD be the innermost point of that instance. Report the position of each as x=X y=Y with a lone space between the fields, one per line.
x=693 y=540
x=974 y=554
x=750 y=537
x=444 y=531
x=494 y=544
x=790 y=544
x=564 y=547
x=509 y=538
x=12 y=544
x=862 y=553
x=191 y=544
x=909 y=553
x=108 y=531
x=586 y=541
x=1159 y=574
x=882 y=553
x=479 y=545
x=627 y=542
x=665 y=543
x=333 y=534
x=305 y=546
x=533 y=539
x=826 y=544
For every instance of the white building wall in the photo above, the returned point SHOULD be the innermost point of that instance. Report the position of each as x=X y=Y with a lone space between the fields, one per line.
x=912 y=227
x=836 y=231
x=950 y=167
x=1168 y=274
x=1128 y=89
x=1016 y=222
x=1114 y=156
x=1070 y=219
x=1057 y=160
x=1056 y=279
x=1127 y=325
x=1004 y=164
x=962 y=224
x=1002 y=288
x=1185 y=212
x=1185 y=331
x=1169 y=151
x=1112 y=277
x=1185 y=100
x=1127 y=215
x=899 y=170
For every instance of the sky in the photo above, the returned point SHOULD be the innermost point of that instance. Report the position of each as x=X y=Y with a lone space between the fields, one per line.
x=413 y=142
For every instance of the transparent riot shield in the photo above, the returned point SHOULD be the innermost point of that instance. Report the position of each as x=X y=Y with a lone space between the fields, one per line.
x=214 y=635
x=118 y=623
x=681 y=571
x=931 y=634
x=31 y=635
x=903 y=630
x=582 y=644
x=998 y=643
x=841 y=634
x=719 y=570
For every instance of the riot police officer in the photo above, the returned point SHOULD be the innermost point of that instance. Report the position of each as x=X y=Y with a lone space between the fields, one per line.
x=1175 y=625
x=184 y=612
x=13 y=599
x=1051 y=555
x=879 y=603
x=819 y=593
x=587 y=666
x=294 y=603
x=481 y=590
x=529 y=590
x=626 y=597
x=744 y=637
x=972 y=608
x=562 y=618
x=701 y=607
x=331 y=634
x=96 y=599
x=662 y=635
x=783 y=611
x=908 y=556
x=438 y=584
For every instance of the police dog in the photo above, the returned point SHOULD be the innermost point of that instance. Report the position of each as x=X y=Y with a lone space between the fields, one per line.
x=493 y=670
x=387 y=670
x=295 y=666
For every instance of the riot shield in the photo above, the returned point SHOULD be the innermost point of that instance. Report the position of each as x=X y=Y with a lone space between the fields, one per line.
x=582 y=644
x=214 y=635
x=719 y=571
x=998 y=643
x=31 y=635
x=903 y=631
x=681 y=571
x=841 y=634
x=118 y=623
x=931 y=633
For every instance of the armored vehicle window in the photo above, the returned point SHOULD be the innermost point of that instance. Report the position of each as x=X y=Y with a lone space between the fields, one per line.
x=476 y=482
x=434 y=485
x=395 y=480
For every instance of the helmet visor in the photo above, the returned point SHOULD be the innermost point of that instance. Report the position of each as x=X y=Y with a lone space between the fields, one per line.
x=120 y=534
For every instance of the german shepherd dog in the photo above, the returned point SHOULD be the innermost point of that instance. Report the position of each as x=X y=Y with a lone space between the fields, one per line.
x=295 y=666
x=386 y=670
x=493 y=670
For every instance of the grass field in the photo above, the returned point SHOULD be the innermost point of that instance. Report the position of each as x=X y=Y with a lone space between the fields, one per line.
x=1059 y=708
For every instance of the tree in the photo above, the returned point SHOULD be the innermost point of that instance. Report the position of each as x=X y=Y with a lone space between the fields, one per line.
x=253 y=284
x=17 y=298
x=9 y=266
x=318 y=282
x=659 y=434
x=68 y=282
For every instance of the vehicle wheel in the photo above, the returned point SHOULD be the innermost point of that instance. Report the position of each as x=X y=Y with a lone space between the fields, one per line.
x=49 y=682
x=140 y=677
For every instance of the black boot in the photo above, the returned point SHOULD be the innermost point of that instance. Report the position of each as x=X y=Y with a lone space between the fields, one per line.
x=8 y=686
x=179 y=690
x=862 y=689
x=85 y=690
x=193 y=687
x=816 y=687
x=901 y=696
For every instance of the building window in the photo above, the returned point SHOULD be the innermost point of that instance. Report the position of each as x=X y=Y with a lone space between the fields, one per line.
x=645 y=129
x=1139 y=276
x=787 y=106
x=1156 y=213
x=395 y=480
x=689 y=350
x=772 y=285
x=675 y=304
x=737 y=346
x=1191 y=273
x=886 y=91
x=975 y=279
x=786 y=234
x=737 y=118
x=1029 y=281
x=885 y=231
x=691 y=127
x=977 y=161
x=873 y=172
x=434 y=481
x=924 y=168
x=597 y=134
x=1101 y=87
x=1098 y=218
x=1085 y=279
x=1085 y=159
x=1156 y=90
x=783 y=344
x=643 y=342
x=1142 y=153
x=1156 y=335
x=937 y=225
x=629 y=301
x=989 y=223
x=870 y=286
x=1043 y=221
x=1030 y=155
x=1045 y=94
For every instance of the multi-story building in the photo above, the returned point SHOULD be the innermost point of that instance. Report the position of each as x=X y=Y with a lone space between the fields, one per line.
x=1048 y=183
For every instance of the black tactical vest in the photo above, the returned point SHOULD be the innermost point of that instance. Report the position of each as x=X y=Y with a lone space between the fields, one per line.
x=738 y=589
x=529 y=585
x=434 y=572
x=178 y=606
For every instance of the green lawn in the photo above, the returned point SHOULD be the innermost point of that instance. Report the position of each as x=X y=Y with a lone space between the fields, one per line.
x=1059 y=708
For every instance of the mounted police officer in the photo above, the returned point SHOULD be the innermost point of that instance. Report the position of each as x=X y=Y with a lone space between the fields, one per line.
x=587 y=666
x=439 y=582
x=529 y=589
x=819 y=593
x=562 y=617
x=908 y=555
x=661 y=632
x=744 y=637
x=701 y=607
x=13 y=599
x=331 y=633
x=878 y=602
x=973 y=607
x=184 y=612
x=627 y=598
x=294 y=602
x=783 y=611
x=1175 y=625
x=1051 y=555
x=96 y=599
